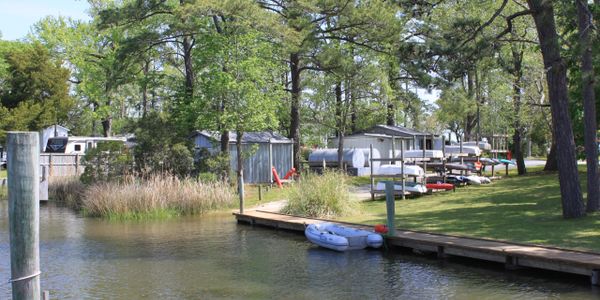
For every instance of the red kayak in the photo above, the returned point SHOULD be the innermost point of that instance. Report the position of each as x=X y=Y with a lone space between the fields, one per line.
x=440 y=186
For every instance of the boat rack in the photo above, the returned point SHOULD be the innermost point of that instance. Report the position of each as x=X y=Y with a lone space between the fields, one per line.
x=403 y=177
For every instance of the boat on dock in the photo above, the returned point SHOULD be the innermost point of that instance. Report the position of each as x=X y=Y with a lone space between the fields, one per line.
x=341 y=238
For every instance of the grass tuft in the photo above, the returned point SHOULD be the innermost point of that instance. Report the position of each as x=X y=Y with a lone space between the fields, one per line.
x=322 y=196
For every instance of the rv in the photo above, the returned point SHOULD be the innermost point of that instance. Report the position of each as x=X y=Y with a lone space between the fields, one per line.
x=77 y=144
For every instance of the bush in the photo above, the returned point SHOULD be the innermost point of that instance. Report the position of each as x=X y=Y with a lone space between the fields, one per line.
x=110 y=160
x=159 y=149
x=157 y=196
x=320 y=196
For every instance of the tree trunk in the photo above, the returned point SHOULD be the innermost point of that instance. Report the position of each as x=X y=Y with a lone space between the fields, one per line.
x=107 y=126
x=589 y=106
x=572 y=199
x=188 y=64
x=470 y=121
x=390 y=116
x=107 y=120
x=353 y=111
x=144 y=87
x=551 y=160
x=339 y=124
x=189 y=70
x=295 y=107
x=518 y=127
x=240 y=168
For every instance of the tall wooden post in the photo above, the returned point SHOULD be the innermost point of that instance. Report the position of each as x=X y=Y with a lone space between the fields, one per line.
x=393 y=162
x=24 y=213
x=241 y=191
x=390 y=205
x=372 y=181
x=443 y=158
x=402 y=170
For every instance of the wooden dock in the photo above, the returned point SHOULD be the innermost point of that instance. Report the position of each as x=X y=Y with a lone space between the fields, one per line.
x=513 y=255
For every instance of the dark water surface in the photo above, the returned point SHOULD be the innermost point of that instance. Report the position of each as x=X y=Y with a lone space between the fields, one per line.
x=213 y=257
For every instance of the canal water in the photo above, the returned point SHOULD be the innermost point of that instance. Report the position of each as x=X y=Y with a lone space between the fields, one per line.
x=213 y=257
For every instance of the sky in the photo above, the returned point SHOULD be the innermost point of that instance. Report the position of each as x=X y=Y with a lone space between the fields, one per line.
x=17 y=16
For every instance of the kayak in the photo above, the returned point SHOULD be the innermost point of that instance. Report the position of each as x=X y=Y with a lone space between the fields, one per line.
x=440 y=186
x=507 y=162
x=474 y=180
x=397 y=170
x=412 y=187
x=341 y=238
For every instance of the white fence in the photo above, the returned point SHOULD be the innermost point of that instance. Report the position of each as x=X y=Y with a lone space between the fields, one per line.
x=60 y=165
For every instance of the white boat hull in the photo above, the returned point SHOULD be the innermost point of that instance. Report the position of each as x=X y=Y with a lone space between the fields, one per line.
x=341 y=238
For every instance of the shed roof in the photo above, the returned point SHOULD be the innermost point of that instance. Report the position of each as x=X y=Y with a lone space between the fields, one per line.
x=396 y=130
x=249 y=137
x=388 y=130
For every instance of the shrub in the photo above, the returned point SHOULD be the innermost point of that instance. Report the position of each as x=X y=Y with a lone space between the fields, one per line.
x=159 y=148
x=320 y=196
x=110 y=160
x=158 y=196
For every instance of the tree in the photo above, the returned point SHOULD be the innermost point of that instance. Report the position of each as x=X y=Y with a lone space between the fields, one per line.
x=543 y=15
x=585 y=25
x=34 y=94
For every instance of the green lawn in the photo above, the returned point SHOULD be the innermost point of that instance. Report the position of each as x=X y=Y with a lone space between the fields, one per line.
x=3 y=190
x=272 y=194
x=522 y=209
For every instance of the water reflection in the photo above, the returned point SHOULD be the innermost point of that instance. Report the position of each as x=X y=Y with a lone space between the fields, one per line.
x=213 y=257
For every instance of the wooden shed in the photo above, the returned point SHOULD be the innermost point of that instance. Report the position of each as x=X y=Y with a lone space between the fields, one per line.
x=266 y=149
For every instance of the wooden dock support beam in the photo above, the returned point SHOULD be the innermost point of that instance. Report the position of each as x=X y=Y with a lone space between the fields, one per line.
x=512 y=263
x=441 y=253
x=24 y=213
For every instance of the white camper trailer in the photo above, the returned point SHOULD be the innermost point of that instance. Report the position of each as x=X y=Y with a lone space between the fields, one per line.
x=77 y=144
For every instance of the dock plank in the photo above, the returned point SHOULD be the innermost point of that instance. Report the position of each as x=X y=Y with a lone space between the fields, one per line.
x=548 y=258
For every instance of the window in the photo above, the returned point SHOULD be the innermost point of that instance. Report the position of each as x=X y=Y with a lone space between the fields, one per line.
x=77 y=147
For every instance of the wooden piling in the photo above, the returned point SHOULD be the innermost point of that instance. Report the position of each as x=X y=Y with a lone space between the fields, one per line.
x=259 y=192
x=595 y=277
x=390 y=205
x=24 y=208
x=241 y=191
x=371 y=181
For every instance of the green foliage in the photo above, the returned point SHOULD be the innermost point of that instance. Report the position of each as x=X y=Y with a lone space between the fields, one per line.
x=216 y=164
x=109 y=161
x=158 y=149
x=321 y=196
x=34 y=91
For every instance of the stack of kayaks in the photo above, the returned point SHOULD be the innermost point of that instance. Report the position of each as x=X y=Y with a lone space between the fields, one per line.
x=412 y=187
x=397 y=170
x=342 y=238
